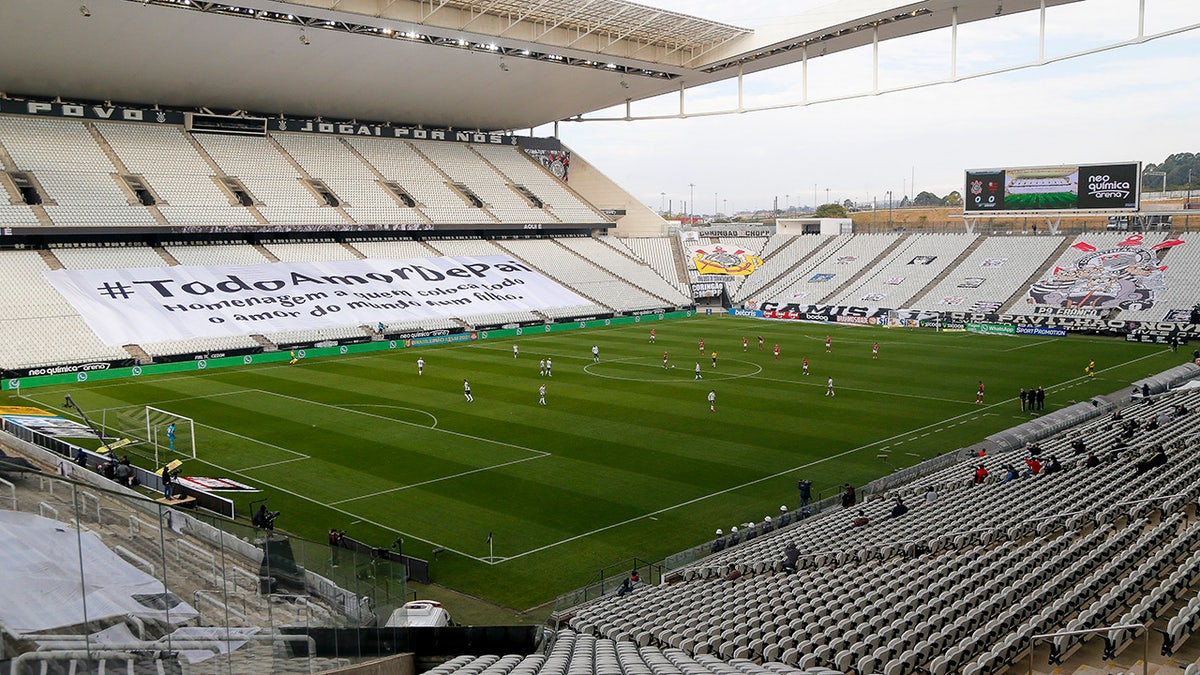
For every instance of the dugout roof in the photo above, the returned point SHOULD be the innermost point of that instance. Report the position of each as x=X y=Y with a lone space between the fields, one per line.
x=487 y=64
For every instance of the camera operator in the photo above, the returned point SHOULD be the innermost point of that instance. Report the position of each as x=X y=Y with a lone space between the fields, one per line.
x=264 y=519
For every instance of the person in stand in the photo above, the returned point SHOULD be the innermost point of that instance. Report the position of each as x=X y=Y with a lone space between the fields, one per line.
x=467 y=392
x=805 y=364
x=1091 y=461
x=1010 y=473
x=829 y=388
x=860 y=520
x=981 y=474
x=542 y=395
x=931 y=495
x=123 y=472
x=791 y=558
x=81 y=457
x=1052 y=465
x=712 y=401
x=848 y=497
x=732 y=574
x=420 y=366
x=1156 y=458
x=595 y=354
x=718 y=543
x=898 y=509
x=979 y=394
x=698 y=375
x=805 y=487
x=1039 y=398
x=1034 y=464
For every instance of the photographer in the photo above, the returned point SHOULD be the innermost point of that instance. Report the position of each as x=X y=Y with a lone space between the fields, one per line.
x=264 y=519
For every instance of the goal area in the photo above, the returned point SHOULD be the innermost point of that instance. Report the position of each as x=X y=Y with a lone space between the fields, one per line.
x=170 y=432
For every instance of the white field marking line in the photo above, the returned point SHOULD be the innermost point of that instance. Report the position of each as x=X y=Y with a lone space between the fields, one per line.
x=437 y=480
x=540 y=453
x=814 y=383
x=299 y=455
x=1031 y=344
x=344 y=512
x=696 y=500
x=125 y=382
x=395 y=407
x=776 y=475
x=263 y=466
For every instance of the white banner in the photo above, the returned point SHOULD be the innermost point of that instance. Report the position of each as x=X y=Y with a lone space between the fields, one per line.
x=156 y=304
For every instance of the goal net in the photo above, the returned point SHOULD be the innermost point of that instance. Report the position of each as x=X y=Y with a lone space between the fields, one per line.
x=170 y=432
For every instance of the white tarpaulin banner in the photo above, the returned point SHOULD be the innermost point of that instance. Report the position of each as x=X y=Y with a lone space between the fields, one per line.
x=156 y=304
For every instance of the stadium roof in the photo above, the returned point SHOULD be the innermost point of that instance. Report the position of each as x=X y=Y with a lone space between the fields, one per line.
x=486 y=64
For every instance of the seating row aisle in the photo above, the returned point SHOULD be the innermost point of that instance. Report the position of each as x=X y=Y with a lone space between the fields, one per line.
x=812 y=282
x=83 y=187
x=959 y=582
x=775 y=269
x=1088 y=284
x=894 y=281
x=991 y=274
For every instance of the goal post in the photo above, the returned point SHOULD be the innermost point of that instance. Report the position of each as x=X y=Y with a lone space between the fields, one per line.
x=170 y=432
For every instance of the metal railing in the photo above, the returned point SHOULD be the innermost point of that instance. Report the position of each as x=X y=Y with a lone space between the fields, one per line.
x=1033 y=640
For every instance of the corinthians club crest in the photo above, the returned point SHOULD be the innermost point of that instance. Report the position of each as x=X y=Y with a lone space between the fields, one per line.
x=721 y=261
x=1128 y=276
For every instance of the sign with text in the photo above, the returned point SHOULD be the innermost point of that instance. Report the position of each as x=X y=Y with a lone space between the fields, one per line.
x=155 y=304
x=1054 y=188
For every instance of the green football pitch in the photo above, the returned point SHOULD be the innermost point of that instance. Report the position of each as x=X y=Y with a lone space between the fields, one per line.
x=1041 y=200
x=624 y=461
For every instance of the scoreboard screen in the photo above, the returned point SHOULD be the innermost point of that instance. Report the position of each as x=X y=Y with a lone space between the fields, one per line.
x=1053 y=188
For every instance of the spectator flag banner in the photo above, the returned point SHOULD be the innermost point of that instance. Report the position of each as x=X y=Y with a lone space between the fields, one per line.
x=158 y=304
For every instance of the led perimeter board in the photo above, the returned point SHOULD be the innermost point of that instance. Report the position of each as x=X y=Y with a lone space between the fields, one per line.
x=1114 y=187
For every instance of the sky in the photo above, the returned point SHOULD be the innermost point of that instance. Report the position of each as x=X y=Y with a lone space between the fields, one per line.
x=1136 y=103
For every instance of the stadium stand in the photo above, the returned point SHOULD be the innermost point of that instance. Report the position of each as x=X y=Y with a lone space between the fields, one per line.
x=844 y=257
x=80 y=182
x=655 y=252
x=176 y=173
x=959 y=582
x=349 y=178
x=273 y=181
x=401 y=163
x=991 y=274
x=216 y=254
x=1079 y=248
x=785 y=254
x=905 y=272
x=557 y=199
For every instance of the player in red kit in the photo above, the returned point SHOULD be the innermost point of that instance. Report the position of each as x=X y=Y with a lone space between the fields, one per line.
x=875 y=350
x=828 y=344
x=979 y=394
x=745 y=344
x=776 y=350
x=664 y=359
x=805 y=366
x=760 y=342
x=702 y=348
x=653 y=335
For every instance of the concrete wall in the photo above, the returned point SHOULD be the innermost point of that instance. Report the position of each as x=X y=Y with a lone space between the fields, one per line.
x=400 y=664
x=638 y=221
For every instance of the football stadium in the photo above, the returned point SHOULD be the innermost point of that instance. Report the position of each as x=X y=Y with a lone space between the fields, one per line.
x=316 y=357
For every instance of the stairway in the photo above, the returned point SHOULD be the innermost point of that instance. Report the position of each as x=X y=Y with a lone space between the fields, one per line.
x=124 y=171
x=1024 y=288
x=913 y=302
x=219 y=173
x=307 y=177
x=849 y=283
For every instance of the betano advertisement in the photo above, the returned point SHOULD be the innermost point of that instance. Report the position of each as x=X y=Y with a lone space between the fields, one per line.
x=1054 y=188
